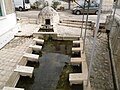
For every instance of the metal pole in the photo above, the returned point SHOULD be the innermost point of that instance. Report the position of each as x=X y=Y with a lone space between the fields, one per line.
x=82 y=20
x=86 y=27
x=94 y=43
x=114 y=14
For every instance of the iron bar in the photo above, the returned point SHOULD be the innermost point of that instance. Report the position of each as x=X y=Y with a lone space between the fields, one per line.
x=82 y=20
x=84 y=40
x=94 y=42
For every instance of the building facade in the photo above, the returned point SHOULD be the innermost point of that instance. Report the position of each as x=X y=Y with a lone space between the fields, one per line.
x=8 y=22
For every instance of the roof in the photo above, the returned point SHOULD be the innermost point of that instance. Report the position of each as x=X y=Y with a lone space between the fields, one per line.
x=48 y=11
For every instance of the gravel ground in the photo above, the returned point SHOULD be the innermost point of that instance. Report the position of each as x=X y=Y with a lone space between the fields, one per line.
x=101 y=77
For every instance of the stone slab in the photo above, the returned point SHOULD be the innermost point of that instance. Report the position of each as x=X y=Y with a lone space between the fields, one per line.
x=39 y=41
x=45 y=33
x=76 y=49
x=77 y=42
x=35 y=47
x=12 y=88
x=77 y=78
x=76 y=60
x=33 y=57
x=24 y=70
x=73 y=25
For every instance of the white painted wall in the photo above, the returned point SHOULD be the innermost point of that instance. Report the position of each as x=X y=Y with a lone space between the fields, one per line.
x=7 y=28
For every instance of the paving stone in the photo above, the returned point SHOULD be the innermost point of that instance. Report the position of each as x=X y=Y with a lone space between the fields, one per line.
x=9 y=57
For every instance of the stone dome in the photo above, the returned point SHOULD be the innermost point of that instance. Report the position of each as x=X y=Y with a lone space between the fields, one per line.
x=48 y=13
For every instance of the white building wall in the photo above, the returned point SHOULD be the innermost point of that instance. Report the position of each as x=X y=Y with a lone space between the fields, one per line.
x=8 y=28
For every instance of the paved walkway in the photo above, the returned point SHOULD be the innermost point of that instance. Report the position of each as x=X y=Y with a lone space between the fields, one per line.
x=26 y=29
x=11 y=54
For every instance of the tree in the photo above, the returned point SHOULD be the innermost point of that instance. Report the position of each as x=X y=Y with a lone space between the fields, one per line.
x=69 y=3
x=37 y=4
x=55 y=4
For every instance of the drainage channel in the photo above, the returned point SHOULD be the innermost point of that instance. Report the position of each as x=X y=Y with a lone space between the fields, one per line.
x=52 y=70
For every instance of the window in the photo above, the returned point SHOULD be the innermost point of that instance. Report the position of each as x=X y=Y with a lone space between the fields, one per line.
x=27 y=1
x=47 y=21
x=1 y=8
x=0 y=11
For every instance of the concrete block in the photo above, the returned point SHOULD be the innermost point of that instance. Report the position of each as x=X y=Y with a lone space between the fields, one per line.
x=77 y=78
x=61 y=37
x=45 y=33
x=35 y=47
x=77 y=42
x=31 y=57
x=24 y=70
x=83 y=55
x=74 y=49
x=85 y=86
x=76 y=60
x=84 y=68
x=12 y=88
x=39 y=41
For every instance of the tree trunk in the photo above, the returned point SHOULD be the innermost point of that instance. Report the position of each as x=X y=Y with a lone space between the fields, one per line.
x=69 y=4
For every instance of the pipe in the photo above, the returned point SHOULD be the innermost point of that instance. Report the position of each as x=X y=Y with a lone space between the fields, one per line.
x=82 y=20
x=94 y=43
x=86 y=28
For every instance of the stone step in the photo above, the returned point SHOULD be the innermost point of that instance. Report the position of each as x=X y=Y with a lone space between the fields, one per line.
x=31 y=57
x=39 y=41
x=77 y=23
x=77 y=78
x=76 y=60
x=12 y=88
x=73 y=25
x=35 y=47
x=24 y=70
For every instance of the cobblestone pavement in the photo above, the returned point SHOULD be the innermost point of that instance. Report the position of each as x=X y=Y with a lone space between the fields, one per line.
x=10 y=56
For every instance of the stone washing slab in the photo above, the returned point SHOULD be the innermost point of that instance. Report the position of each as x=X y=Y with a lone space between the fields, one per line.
x=31 y=57
x=12 y=88
x=35 y=47
x=24 y=70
